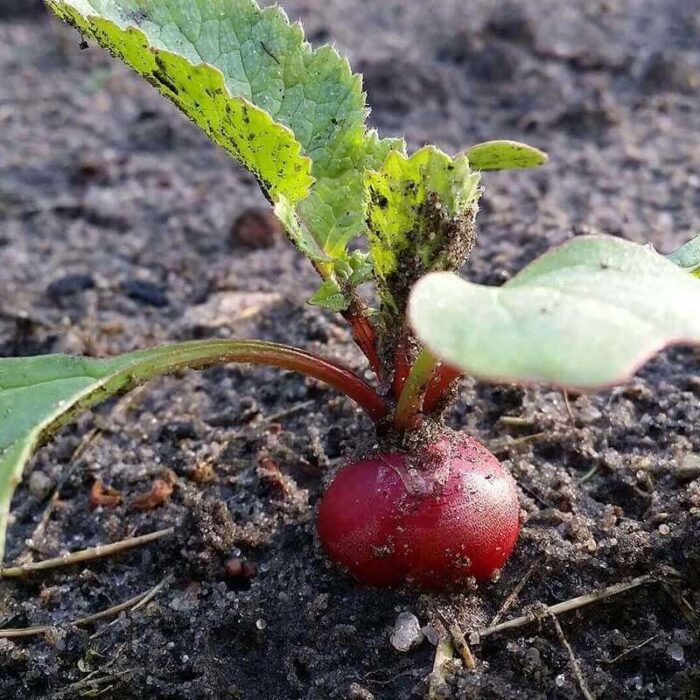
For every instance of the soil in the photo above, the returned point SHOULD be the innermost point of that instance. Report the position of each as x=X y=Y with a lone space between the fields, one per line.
x=115 y=233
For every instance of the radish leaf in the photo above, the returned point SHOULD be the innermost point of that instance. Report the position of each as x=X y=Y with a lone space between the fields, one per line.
x=586 y=315
x=38 y=395
x=505 y=155
x=294 y=116
x=421 y=217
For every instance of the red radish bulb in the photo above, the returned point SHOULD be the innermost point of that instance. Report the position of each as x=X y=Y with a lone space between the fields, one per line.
x=433 y=518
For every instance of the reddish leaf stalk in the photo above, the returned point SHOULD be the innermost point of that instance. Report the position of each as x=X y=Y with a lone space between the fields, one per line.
x=440 y=383
x=402 y=367
x=198 y=354
x=410 y=403
x=364 y=335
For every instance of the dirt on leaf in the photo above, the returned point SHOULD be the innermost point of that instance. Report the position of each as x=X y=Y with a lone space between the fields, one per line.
x=115 y=220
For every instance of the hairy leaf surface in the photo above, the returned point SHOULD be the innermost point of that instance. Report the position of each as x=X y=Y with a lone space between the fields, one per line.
x=421 y=214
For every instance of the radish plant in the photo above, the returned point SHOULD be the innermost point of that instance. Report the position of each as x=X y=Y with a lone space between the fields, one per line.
x=431 y=506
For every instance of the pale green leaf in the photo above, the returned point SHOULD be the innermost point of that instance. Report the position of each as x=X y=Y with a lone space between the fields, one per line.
x=292 y=115
x=688 y=256
x=505 y=155
x=421 y=217
x=585 y=315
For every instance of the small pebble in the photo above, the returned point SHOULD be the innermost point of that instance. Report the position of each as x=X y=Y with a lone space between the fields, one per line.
x=39 y=485
x=357 y=692
x=431 y=634
x=406 y=633
x=234 y=568
x=683 y=637
x=184 y=602
x=256 y=228
x=688 y=468
x=69 y=284
x=240 y=568
x=510 y=22
x=664 y=529
x=145 y=292
x=675 y=651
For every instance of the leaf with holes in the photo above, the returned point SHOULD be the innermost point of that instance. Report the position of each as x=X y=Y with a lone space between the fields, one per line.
x=586 y=315
x=421 y=217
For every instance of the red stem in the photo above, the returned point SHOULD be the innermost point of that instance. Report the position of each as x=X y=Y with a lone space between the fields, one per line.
x=444 y=377
x=334 y=375
x=364 y=335
x=402 y=366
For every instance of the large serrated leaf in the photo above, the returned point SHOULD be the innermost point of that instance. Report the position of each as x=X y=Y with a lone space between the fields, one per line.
x=293 y=115
x=40 y=394
x=586 y=315
x=223 y=106
x=421 y=214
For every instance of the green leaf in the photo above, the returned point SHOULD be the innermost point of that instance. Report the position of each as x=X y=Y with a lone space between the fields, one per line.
x=171 y=44
x=335 y=293
x=421 y=217
x=40 y=394
x=294 y=116
x=505 y=155
x=586 y=315
x=688 y=256
x=331 y=296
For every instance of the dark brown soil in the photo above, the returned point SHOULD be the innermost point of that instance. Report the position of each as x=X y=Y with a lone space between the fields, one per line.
x=115 y=222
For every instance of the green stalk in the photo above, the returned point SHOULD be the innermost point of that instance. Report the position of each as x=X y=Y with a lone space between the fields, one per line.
x=411 y=399
x=198 y=354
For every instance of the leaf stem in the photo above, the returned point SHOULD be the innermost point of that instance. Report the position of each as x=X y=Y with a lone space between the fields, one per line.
x=363 y=334
x=411 y=400
x=200 y=354
x=444 y=377
x=402 y=366
x=362 y=330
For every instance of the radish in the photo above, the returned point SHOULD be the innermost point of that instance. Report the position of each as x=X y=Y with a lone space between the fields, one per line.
x=435 y=516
